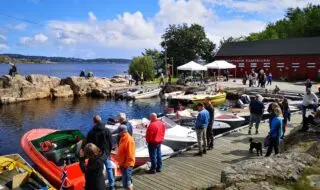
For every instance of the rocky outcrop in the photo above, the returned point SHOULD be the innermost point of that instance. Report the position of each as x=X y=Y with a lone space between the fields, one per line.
x=85 y=86
x=119 y=80
x=17 y=89
x=20 y=88
x=278 y=169
x=44 y=81
x=62 y=91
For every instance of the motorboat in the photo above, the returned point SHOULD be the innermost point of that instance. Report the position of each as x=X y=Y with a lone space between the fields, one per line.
x=148 y=93
x=215 y=98
x=176 y=137
x=16 y=173
x=60 y=158
x=172 y=94
x=142 y=153
x=234 y=120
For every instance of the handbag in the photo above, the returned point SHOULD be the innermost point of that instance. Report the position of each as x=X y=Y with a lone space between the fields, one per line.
x=267 y=141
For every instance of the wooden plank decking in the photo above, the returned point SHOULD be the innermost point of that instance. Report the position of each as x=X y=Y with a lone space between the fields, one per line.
x=186 y=171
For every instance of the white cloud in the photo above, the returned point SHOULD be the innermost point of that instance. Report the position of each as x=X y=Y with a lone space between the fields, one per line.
x=126 y=31
x=181 y=11
x=133 y=31
x=33 y=41
x=3 y=47
x=3 y=38
x=262 y=6
x=195 y=11
x=3 y=42
x=92 y=17
x=20 y=26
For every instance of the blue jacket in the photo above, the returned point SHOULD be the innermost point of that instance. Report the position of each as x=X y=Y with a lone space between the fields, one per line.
x=276 y=128
x=202 y=119
x=269 y=77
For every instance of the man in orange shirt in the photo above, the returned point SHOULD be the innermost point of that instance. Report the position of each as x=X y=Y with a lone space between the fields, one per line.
x=154 y=137
x=126 y=157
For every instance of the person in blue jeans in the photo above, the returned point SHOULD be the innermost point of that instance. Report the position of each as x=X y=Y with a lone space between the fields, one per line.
x=275 y=131
x=101 y=137
x=154 y=137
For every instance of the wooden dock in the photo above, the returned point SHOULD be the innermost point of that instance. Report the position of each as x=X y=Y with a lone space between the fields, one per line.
x=186 y=171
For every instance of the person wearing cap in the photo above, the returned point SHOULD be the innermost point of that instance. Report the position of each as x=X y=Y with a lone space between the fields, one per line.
x=201 y=125
x=122 y=119
x=310 y=100
x=126 y=156
x=101 y=137
x=154 y=137
x=256 y=108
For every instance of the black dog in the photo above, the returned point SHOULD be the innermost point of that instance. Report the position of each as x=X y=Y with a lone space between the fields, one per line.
x=255 y=145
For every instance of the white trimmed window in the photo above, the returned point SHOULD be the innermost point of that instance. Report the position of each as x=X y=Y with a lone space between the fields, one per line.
x=241 y=65
x=311 y=65
x=253 y=65
x=295 y=65
x=280 y=65
x=266 y=65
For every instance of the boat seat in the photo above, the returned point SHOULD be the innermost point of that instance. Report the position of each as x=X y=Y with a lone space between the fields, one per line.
x=57 y=155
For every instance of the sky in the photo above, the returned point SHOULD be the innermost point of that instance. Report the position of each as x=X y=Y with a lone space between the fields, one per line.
x=124 y=28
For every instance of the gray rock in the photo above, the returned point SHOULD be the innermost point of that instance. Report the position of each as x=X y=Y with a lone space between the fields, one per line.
x=314 y=150
x=43 y=80
x=314 y=180
x=251 y=186
x=284 y=167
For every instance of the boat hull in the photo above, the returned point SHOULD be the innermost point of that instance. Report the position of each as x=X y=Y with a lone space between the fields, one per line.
x=16 y=162
x=178 y=145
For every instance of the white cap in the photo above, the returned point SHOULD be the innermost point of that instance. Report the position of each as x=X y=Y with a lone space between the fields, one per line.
x=122 y=116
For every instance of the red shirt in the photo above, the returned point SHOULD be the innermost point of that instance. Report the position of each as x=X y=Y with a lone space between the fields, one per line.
x=155 y=132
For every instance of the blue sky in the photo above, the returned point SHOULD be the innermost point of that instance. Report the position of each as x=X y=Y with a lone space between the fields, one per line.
x=123 y=28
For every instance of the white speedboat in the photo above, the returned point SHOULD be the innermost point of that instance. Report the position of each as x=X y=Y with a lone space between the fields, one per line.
x=233 y=120
x=142 y=153
x=149 y=93
x=177 y=137
x=172 y=94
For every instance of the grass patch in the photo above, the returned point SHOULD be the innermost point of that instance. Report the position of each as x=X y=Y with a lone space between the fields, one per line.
x=157 y=81
x=303 y=182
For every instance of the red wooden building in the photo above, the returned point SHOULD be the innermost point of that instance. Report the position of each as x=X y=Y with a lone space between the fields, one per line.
x=292 y=59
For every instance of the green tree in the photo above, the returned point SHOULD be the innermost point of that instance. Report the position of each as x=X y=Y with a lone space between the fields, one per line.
x=143 y=64
x=297 y=23
x=157 y=57
x=184 y=43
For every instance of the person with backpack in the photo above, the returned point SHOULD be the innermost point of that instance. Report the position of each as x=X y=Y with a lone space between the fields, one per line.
x=101 y=137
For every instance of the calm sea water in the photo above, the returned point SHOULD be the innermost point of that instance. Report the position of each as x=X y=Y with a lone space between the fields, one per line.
x=63 y=70
x=17 y=119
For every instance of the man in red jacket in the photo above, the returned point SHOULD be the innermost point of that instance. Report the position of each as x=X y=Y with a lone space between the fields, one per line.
x=154 y=137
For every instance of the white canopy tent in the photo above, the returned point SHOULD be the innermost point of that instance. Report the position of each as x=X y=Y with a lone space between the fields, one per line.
x=192 y=66
x=221 y=64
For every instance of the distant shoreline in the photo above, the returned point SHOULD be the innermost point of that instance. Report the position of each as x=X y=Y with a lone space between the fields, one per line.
x=26 y=59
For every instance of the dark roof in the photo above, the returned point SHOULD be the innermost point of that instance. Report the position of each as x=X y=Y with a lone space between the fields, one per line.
x=293 y=46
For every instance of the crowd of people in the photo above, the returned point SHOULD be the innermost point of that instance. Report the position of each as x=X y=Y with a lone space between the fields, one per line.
x=99 y=143
x=260 y=79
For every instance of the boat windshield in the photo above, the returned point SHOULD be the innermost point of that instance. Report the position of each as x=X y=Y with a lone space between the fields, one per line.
x=139 y=141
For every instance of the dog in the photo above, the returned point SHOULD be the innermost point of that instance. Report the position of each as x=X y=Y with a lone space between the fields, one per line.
x=255 y=145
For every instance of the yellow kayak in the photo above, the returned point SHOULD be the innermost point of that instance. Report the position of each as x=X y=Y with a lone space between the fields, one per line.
x=16 y=173
x=216 y=99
